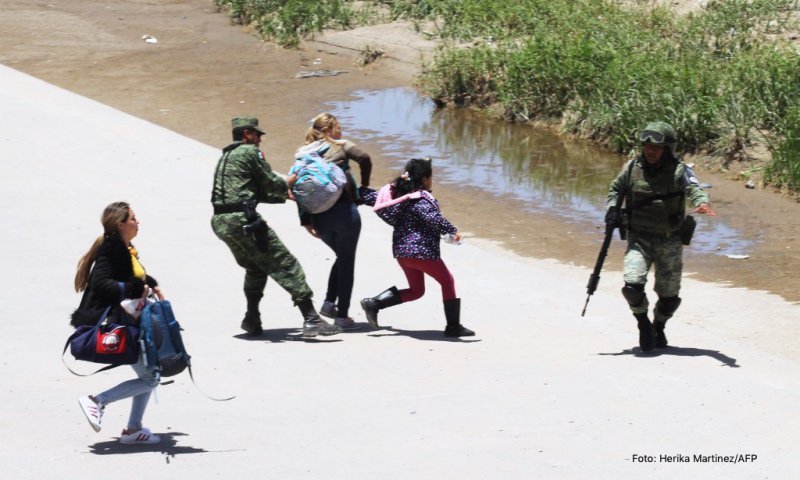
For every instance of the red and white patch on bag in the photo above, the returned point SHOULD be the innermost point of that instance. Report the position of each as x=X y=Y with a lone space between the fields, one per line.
x=112 y=342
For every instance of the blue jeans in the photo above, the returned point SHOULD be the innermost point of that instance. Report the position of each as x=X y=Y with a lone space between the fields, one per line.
x=139 y=389
x=340 y=228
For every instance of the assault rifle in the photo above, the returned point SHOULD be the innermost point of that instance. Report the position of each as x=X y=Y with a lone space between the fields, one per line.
x=594 y=278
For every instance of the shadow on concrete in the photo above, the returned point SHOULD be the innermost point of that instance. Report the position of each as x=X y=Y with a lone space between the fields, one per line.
x=426 y=335
x=358 y=327
x=281 y=335
x=168 y=446
x=680 y=352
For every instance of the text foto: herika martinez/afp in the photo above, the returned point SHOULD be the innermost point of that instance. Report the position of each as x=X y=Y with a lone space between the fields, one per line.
x=695 y=458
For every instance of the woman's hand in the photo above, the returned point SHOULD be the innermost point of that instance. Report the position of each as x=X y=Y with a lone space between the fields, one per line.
x=158 y=294
x=457 y=237
x=312 y=230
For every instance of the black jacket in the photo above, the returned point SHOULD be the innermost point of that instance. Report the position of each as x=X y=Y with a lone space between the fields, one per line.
x=110 y=281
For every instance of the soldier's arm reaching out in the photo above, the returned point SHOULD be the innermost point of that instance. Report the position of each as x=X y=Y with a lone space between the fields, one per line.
x=272 y=188
x=695 y=193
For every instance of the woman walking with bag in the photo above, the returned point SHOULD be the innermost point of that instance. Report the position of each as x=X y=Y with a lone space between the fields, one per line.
x=340 y=226
x=408 y=205
x=108 y=273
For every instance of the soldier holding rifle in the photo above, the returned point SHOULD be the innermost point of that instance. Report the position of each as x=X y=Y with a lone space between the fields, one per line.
x=656 y=186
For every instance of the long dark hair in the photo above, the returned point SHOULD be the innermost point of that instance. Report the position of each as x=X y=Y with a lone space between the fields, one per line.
x=411 y=180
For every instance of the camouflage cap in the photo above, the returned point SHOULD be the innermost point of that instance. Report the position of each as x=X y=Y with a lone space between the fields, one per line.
x=249 y=122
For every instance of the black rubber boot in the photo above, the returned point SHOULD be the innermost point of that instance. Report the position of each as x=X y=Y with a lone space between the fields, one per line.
x=313 y=324
x=452 y=312
x=663 y=311
x=252 y=324
x=252 y=319
x=660 y=338
x=387 y=298
x=646 y=339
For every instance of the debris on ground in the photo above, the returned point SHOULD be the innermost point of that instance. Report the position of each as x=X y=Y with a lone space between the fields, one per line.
x=318 y=73
x=368 y=55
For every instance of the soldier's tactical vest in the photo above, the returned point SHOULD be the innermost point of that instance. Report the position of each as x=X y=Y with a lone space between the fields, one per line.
x=656 y=199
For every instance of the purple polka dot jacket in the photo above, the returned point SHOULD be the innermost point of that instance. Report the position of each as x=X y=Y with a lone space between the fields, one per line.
x=418 y=223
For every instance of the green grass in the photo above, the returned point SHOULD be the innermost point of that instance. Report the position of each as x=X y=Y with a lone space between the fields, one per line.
x=287 y=21
x=784 y=171
x=723 y=76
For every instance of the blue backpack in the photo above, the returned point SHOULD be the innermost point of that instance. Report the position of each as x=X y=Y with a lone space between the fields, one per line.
x=161 y=341
x=319 y=183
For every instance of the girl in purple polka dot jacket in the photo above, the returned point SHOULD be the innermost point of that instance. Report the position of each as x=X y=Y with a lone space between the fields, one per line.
x=408 y=205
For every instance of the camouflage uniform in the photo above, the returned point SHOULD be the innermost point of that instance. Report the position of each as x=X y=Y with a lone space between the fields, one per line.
x=243 y=174
x=656 y=208
x=653 y=229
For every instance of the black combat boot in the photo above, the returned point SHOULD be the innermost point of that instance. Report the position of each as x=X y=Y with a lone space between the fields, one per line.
x=660 y=338
x=252 y=319
x=385 y=299
x=313 y=324
x=645 y=332
x=663 y=311
x=452 y=312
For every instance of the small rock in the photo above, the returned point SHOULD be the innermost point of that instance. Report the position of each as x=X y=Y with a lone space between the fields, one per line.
x=149 y=39
x=750 y=184
x=738 y=257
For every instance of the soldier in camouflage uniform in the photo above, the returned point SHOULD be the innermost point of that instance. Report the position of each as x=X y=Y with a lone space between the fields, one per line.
x=242 y=179
x=655 y=186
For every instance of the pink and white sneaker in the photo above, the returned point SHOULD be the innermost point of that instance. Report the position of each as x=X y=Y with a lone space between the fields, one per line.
x=140 y=437
x=93 y=412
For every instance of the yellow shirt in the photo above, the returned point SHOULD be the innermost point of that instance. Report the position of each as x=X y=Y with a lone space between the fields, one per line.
x=138 y=269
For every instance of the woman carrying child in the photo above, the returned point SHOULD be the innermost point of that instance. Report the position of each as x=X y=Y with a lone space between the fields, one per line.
x=408 y=205
x=340 y=226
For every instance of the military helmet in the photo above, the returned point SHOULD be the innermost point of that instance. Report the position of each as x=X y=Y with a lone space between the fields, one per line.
x=658 y=133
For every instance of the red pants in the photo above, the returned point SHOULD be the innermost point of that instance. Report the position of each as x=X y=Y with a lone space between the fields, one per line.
x=415 y=270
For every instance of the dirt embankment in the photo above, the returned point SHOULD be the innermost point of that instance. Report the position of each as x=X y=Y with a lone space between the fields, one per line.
x=203 y=70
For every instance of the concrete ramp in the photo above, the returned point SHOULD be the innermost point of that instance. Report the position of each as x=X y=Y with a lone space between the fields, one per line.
x=539 y=393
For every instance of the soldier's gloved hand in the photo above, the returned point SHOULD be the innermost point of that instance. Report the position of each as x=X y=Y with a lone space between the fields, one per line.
x=612 y=217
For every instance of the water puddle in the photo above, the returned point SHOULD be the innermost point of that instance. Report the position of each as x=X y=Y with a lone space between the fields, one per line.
x=547 y=174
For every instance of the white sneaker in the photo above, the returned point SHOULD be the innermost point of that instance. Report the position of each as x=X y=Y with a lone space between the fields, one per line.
x=141 y=437
x=346 y=323
x=93 y=412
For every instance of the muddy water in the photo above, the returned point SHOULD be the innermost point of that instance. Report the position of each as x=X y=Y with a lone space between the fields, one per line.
x=541 y=173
